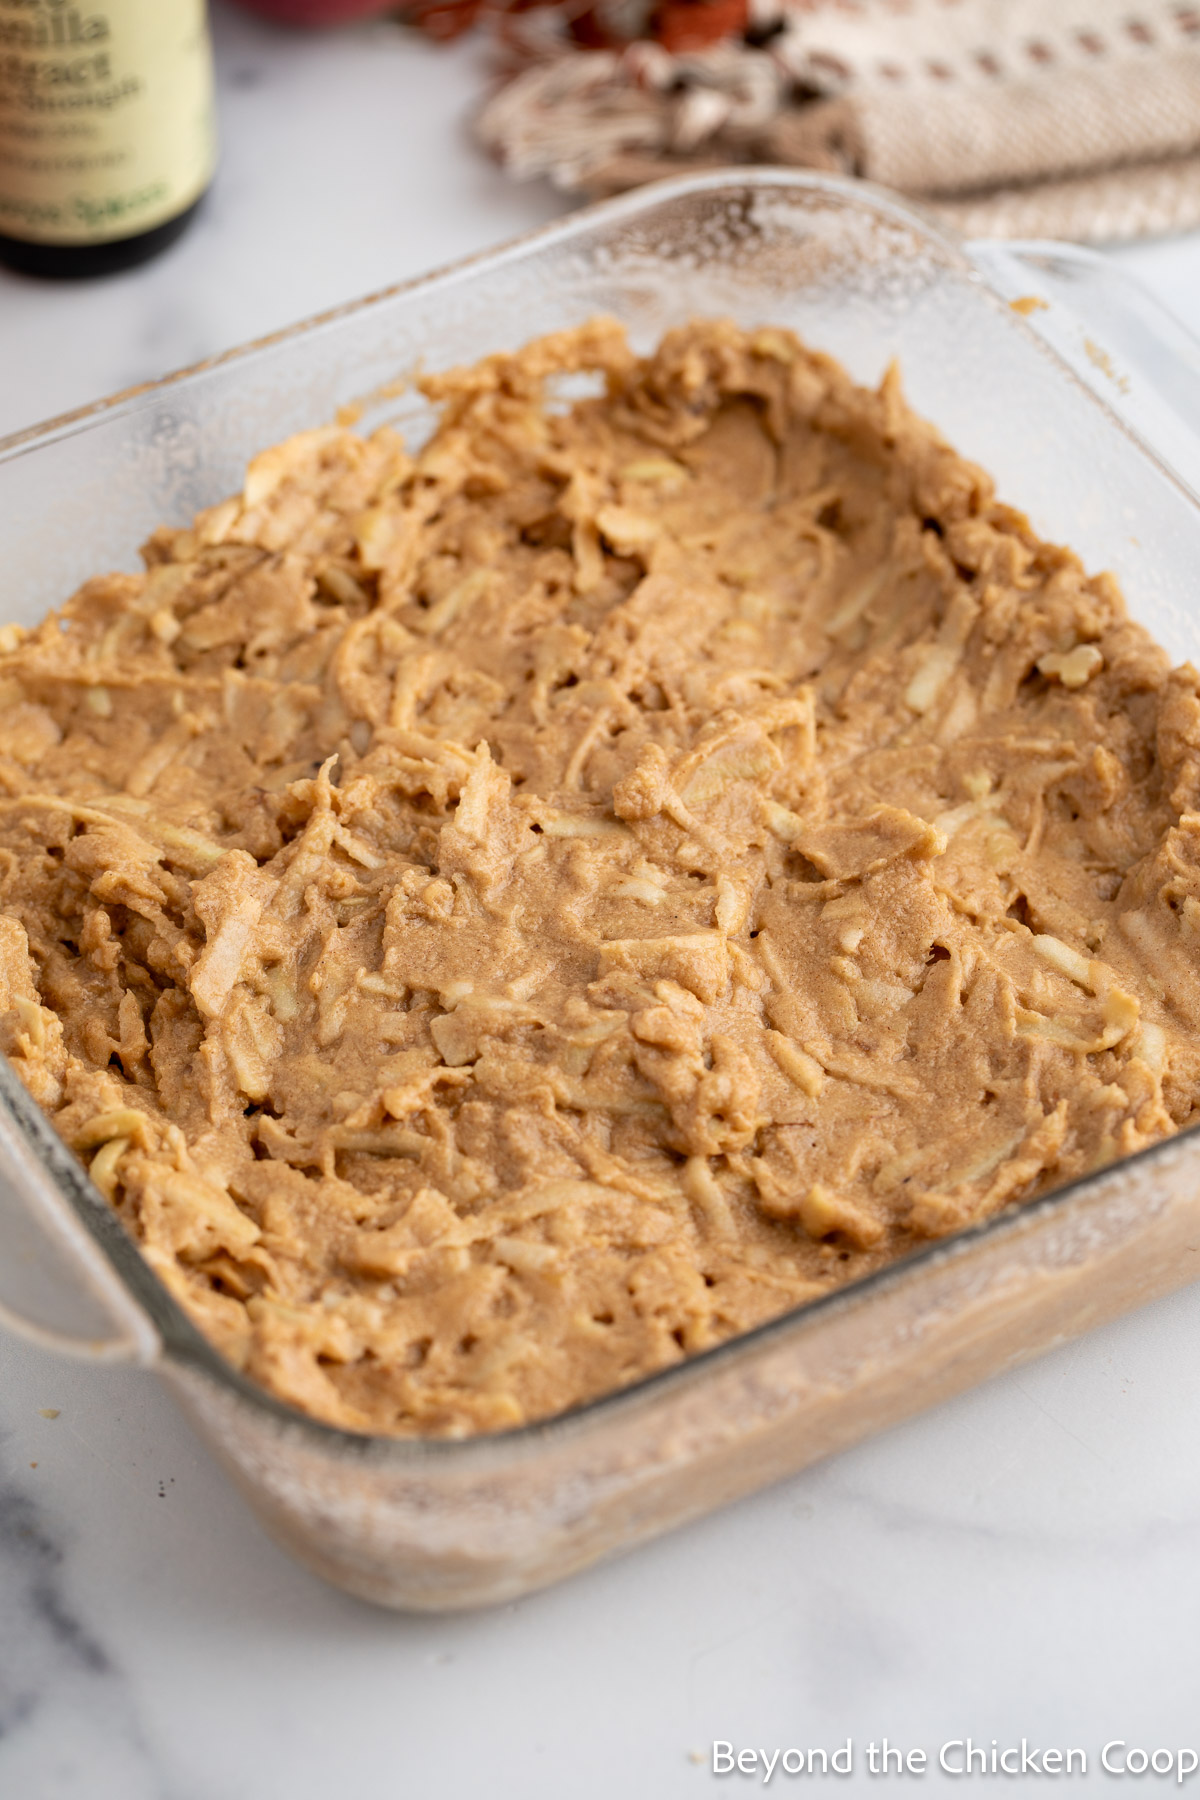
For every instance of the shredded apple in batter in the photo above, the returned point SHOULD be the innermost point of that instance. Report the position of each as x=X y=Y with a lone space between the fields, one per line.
x=498 y=921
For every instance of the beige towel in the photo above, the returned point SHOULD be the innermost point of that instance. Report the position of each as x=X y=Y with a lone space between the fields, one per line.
x=1073 y=118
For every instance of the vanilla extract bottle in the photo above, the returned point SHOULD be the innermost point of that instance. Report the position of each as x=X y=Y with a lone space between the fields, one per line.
x=107 y=140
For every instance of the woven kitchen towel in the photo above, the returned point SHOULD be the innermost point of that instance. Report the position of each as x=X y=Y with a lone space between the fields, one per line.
x=1076 y=118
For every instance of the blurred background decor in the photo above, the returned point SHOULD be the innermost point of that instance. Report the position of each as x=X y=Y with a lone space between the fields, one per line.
x=1079 y=119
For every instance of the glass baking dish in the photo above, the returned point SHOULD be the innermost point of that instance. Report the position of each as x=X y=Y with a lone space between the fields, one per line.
x=1077 y=401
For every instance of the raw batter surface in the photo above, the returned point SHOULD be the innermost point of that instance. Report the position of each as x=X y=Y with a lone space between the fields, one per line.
x=498 y=921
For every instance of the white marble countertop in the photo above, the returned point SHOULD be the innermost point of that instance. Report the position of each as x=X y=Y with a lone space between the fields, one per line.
x=1022 y=1563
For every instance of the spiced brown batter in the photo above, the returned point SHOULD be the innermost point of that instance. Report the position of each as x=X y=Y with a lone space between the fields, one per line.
x=499 y=921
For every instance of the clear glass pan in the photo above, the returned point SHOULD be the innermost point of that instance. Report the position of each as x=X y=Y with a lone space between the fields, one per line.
x=1079 y=409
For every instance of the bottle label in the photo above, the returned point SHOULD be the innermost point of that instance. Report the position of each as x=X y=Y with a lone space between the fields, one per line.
x=106 y=116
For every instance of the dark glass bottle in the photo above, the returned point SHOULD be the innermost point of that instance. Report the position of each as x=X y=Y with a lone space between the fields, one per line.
x=107 y=142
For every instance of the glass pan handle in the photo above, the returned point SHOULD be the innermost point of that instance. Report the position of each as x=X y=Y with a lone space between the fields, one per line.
x=57 y=1287
x=1117 y=337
